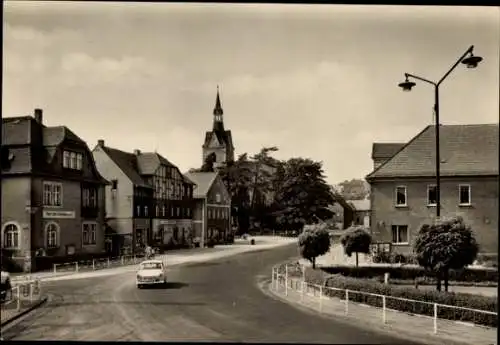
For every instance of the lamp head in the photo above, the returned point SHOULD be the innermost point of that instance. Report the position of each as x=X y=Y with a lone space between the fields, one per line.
x=407 y=85
x=472 y=61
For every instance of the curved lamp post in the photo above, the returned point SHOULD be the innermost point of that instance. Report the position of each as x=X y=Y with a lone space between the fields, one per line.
x=469 y=60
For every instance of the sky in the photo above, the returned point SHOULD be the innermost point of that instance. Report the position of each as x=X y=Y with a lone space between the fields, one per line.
x=317 y=81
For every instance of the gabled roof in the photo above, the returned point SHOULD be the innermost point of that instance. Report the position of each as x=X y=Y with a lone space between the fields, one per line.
x=203 y=181
x=385 y=150
x=360 y=205
x=466 y=150
x=127 y=162
x=224 y=137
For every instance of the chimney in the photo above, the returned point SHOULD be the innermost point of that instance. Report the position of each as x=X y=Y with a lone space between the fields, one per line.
x=100 y=143
x=39 y=115
x=137 y=152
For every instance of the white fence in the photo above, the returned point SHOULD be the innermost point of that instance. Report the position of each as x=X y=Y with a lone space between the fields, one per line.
x=24 y=291
x=290 y=279
x=97 y=264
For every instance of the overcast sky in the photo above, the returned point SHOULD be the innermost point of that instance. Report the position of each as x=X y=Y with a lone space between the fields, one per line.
x=318 y=81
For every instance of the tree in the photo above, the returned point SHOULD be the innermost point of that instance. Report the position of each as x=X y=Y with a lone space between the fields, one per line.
x=355 y=189
x=237 y=178
x=314 y=242
x=263 y=166
x=301 y=193
x=356 y=240
x=447 y=244
x=208 y=164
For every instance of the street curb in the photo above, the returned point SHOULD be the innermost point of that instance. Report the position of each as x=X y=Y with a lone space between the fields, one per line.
x=428 y=339
x=24 y=312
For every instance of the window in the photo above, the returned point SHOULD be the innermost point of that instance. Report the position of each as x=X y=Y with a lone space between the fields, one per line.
x=217 y=198
x=431 y=195
x=400 y=234
x=90 y=197
x=464 y=194
x=89 y=233
x=138 y=211
x=188 y=212
x=400 y=196
x=114 y=184
x=171 y=211
x=11 y=236
x=178 y=211
x=51 y=232
x=157 y=210
x=72 y=160
x=163 y=211
x=52 y=194
x=66 y=159
x=145 y=211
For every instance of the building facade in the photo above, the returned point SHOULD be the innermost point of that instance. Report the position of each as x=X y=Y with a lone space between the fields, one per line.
x=362 y=211
x=212 y=213
x=218 y=141
x=52 y=194
x=403 y=190
x=149 y=202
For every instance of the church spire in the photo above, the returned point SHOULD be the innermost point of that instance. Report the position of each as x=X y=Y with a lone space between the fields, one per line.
x=218 y=112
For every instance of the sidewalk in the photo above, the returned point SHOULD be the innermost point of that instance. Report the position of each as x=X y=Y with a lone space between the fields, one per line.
x=189 y=256
x=412 y=326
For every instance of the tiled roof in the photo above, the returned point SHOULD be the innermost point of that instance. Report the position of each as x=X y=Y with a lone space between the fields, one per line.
x=148 y=162
x=385 y=150
x=466 y=150
x=203 y=181
x=17 y=135
x=127 y=163
x=187 y=179
x=360 y=205
x=54 y=136
x=16 y=130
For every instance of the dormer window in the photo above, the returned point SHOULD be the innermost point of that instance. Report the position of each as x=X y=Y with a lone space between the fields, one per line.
x=72 y=160
x=114 y=184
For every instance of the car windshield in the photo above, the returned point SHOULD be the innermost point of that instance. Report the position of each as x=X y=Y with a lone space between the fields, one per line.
x=151 y=266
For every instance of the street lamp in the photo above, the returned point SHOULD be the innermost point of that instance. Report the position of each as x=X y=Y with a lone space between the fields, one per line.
x=471 y=61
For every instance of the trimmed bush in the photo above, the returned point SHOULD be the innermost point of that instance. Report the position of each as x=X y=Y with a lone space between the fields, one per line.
x=444 y=298
x=412 y=273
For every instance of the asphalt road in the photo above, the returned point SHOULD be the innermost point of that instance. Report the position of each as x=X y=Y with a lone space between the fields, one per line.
x=213 y=301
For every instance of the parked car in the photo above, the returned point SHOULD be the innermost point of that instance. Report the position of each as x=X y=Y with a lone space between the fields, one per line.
x=151 y=272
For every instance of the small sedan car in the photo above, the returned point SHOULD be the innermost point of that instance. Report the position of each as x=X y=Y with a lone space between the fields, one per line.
x=151 y=272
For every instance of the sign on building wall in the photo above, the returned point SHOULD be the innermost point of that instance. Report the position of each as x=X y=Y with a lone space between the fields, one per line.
x=58 y=214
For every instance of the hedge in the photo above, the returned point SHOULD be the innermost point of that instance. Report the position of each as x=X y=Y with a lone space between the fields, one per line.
x=412 y=273
x=446 y=298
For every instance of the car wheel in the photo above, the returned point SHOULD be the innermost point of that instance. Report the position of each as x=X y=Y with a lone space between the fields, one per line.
x=139 y=286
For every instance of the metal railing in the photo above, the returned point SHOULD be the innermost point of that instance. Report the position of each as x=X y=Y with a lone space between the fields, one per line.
x=290 y=278
x=23 y=291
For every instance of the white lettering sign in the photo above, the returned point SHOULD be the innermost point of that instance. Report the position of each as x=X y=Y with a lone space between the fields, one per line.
x=58 y=214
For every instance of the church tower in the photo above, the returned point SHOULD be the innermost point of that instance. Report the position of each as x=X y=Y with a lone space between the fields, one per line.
x=218 y=140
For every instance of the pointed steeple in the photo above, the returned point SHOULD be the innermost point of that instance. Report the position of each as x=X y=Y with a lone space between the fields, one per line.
x=218 y=108
x=218 y=112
